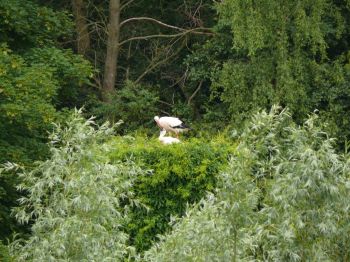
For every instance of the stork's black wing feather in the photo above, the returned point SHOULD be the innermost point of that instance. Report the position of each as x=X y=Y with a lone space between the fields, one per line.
x=182 y=126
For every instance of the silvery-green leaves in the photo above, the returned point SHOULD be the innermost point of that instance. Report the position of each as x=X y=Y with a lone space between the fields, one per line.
x=283 y=198
x=76 y=200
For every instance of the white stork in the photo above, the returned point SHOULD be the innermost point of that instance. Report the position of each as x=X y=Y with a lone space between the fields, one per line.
x=167 y=139
x=171 y=124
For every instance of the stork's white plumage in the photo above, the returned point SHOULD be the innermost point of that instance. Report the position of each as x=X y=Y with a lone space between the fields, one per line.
x=167 y=139
x=171 y=124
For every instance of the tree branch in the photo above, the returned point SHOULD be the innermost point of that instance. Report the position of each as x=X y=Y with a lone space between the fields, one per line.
x=152 y=20
x=126 y=4
x=160 y=23
x=156 y=64
x=193 y=31
x=195 y=92
x=165 y=103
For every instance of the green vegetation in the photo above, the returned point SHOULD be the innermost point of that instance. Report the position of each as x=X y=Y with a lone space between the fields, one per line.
x=283 y=198
x=38 y=78
x=4 y=253
x=177 y=175
x=240 y=186
x=76 y=199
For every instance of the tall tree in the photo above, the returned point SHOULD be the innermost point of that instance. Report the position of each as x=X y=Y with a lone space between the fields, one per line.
x=283 y=52
x=124 y=27
x=110 y=68
x=81 y=25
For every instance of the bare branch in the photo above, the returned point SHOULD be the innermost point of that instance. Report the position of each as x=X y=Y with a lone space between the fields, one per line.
x=152 y=20
x=126 y=4
x=192 y=31
x=194 y=16
x=181 y=81
x=165 y=112
x=127 y=73
x=165 y=103
x=149 y=37
x=195 y=92
x=154 y=65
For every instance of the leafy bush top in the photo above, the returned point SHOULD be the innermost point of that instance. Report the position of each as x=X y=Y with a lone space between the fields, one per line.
x=177 y=175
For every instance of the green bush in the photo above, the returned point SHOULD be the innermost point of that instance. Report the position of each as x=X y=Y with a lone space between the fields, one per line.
x=135 y=104
x=25 y=24
x=76 y=201
x=178 y=174
x=38 y=78
x=284 y=197
x=4 y=253
x=30 y=86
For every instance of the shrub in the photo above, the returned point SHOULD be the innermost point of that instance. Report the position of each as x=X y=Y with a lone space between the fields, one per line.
x=133 y=103
x=283 y=198
x=178 y=174
x=76 y=201
x=4 y=254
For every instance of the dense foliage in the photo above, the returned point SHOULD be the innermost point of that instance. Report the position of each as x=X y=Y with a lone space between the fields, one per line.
x=76 y=199
x=211 y=63
x=295 y=54
x=38 y=78
x=176 y=176
x=284 y=198
x=132 y=100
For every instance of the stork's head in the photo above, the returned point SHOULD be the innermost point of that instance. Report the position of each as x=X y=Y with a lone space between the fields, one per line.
x=156 y=118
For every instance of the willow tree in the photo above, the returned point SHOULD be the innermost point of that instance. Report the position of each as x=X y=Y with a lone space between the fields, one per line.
x=77 y=202
x=283 y=52
x=284 y=197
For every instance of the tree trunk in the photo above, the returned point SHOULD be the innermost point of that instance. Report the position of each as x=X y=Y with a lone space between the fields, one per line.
x=83 y=37
x=110 y=72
